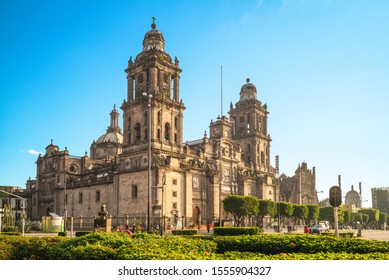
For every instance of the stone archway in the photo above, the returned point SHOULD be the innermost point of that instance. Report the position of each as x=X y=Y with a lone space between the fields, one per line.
x=196 y=216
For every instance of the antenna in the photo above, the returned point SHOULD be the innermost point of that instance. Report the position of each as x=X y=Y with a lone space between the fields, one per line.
x=221 y=91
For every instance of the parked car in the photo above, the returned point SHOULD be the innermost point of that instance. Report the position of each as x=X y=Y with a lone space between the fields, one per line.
x=320 y=228
x=325 y=223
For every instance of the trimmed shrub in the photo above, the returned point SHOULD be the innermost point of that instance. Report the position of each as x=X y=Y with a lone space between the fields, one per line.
x=151 y=247
x=81 y=233
x=346 y=234
x=298 y=243
x=11 y=233
x=26 y=247
x=121 y=246
x=184 y=232
x=230 y=231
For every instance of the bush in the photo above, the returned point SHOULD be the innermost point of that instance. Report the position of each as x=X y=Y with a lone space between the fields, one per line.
x=7 y=228
x=346 y=234
x=81 y=233
x=151 y=247
x=27 y=248
x=121 y=246
x=105 y=245
x=33 y=225
x=11 y=233
x=298 y=243
x=230 y=231
x=184 y=232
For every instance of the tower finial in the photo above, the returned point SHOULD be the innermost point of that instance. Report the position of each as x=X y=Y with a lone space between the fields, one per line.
x=153 y=25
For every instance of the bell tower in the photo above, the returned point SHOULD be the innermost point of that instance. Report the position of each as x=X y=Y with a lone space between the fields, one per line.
x=249 y=127
x=153 y=83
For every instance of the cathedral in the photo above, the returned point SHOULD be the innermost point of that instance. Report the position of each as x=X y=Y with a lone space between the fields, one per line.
x=143 y=172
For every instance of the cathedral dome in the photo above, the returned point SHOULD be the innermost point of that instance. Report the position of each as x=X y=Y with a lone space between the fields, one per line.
x=111 y=137
x=353 y=197
x=153 y=39
x=113 y=134
x=248 y=91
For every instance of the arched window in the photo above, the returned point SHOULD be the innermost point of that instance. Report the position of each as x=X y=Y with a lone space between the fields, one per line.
x=167 y=132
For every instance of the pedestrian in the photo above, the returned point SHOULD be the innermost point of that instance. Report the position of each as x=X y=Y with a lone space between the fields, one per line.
x=128 y=230
x=306 y=229
x=208 y=227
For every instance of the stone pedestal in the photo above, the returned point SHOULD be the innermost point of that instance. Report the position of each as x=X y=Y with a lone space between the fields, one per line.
x=103 y=225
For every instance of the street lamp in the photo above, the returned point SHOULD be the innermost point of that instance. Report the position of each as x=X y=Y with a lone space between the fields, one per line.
x=23 y=214
x=158 y=208
x=149 y=161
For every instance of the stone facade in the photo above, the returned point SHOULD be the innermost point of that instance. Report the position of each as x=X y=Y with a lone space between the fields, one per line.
x=300 y=188
x=148 y=170
x=353 y=198
x=380 y=199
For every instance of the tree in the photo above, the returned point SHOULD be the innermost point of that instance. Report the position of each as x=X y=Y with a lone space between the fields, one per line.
x=313 y=213
x=240 y=207
x=300 y=211
x=373 y=214
x=285 y=209
x=347 y=217
x=327 y=214
x=250 y=206
x=383 y=219
x=266 y=208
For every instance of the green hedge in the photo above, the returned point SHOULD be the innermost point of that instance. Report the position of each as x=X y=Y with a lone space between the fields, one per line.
x=121 y=246
x=11 y=233
x=298 y=243
x=81 y=233
x=184 y=232
x=232 y=231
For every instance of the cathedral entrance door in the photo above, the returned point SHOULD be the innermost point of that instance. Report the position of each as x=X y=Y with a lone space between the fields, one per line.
x=196 y=216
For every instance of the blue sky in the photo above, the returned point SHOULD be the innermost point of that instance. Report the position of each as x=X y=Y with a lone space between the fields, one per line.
x=321 y=66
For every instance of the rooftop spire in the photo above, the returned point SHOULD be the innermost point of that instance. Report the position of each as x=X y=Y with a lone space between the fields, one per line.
x=153 y=25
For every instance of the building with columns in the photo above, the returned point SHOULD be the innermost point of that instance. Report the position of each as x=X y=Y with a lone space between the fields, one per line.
x=145 y=171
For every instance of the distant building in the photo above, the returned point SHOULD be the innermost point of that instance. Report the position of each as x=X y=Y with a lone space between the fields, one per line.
x=11 y=206
x=353 y=198
x=380 y=199
x=300 y=188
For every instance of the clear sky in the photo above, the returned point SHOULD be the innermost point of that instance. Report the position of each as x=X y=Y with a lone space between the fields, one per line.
x=322 y=66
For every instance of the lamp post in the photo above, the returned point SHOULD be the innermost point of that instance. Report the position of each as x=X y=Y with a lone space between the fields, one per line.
x=64 y=196
x=158 y=208
x=149 y=161
x=23 y=214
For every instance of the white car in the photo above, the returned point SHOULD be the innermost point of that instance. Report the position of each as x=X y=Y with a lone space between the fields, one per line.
x=320 y=228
